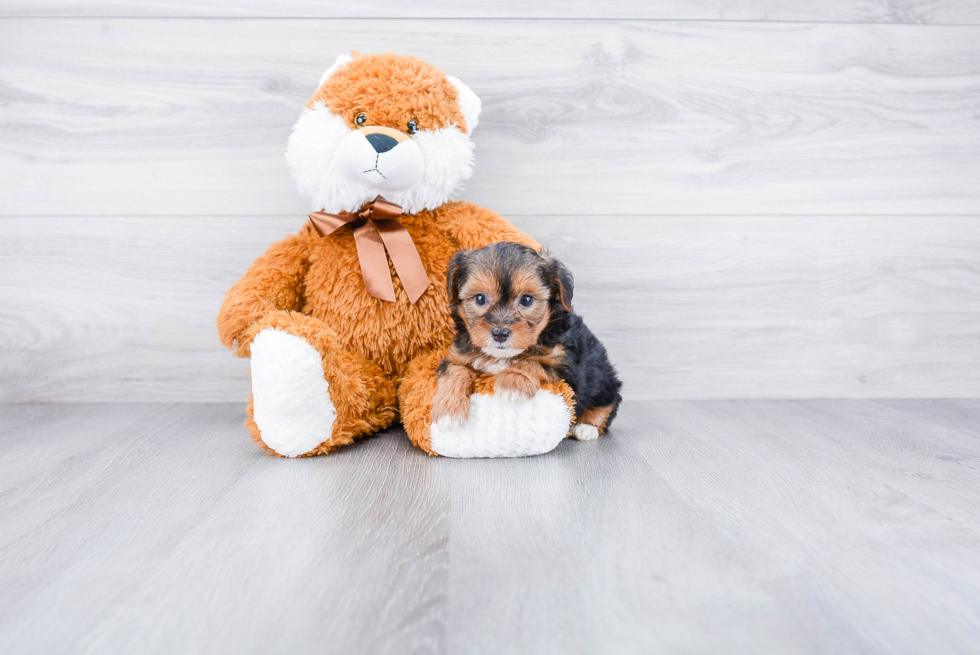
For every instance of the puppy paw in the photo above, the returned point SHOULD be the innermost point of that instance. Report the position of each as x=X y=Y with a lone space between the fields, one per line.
x=450 y=421
x=514 y=388
x=451 y=406
x=585 y=432
x=512 y=396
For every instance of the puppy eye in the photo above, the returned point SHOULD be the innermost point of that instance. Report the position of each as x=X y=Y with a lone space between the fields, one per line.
x=480 y=299
x=526 y=300
x=413 y=127
x=361 y=119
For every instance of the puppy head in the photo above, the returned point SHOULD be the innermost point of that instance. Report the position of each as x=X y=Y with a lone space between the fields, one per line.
x=505 y=296
x=383 y=124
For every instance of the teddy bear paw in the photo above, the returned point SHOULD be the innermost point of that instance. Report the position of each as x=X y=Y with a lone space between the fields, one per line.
x=290 y=396
x=497 y=428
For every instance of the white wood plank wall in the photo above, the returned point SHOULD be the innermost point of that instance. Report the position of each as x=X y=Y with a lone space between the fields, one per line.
x=758 y=199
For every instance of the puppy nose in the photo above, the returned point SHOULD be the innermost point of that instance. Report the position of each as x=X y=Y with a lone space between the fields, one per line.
x=500 y=334
x=381 y=142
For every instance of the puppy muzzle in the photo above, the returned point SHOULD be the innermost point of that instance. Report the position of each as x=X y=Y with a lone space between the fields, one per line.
x=499 y=344
x=380 y=158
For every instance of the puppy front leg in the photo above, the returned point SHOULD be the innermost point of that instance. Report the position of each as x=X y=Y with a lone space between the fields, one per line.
x=592 y=423
x=451 y=404
x=520 y=381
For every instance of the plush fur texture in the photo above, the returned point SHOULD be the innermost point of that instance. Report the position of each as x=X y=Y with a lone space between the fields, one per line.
x=496 y=428
x=499 y=428
x=291 y=397
x=362 y=395
x=378 y=359
x=393 y=90
x=330 y=160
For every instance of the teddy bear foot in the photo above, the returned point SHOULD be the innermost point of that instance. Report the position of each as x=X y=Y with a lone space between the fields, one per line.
x=291 y=405
x=499 y=428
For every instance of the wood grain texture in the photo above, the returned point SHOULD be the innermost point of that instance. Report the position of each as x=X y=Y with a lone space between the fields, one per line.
x=98 y=309
x=136 y=525
x=864 y=11
x=695 y=526
x=190 y=117
x=753 y=492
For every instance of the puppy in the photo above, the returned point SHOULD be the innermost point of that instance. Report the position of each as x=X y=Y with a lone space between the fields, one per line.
x=513 y=313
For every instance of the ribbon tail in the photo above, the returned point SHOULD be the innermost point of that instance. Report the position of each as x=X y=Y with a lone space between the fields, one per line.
x=405 y=257
x=374 y=262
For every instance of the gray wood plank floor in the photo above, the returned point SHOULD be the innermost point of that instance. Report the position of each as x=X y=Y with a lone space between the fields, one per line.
x=829 y=526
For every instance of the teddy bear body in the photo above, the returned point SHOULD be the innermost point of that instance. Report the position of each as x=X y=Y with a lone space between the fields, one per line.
x=329 y=361
x=392 y=334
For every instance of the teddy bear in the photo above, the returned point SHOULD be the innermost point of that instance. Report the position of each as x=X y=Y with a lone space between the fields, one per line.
x=346 y=321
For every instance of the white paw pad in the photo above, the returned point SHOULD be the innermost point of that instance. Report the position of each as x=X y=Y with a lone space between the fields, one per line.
x=585 y=432
x=496 y=428
x=290 y=400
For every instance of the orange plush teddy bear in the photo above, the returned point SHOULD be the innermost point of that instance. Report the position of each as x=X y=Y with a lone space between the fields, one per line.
x=347 y=320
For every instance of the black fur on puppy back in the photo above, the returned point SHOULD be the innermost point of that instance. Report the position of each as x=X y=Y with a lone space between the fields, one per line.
x=588 y=370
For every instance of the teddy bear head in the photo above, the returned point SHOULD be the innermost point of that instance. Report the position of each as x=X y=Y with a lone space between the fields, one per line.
x=387 y=125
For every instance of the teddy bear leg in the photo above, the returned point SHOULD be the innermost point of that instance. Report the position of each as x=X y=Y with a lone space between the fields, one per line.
x=309 y=394
x=494 y=428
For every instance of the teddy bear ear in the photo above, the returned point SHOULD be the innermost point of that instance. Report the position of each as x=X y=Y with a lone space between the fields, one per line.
x=342 y=60
x=469 y=102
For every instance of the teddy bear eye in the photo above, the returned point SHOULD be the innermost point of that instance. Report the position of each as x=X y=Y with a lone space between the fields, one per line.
x=361 y=119
x=526 y=300
x=413 y=127
x=480 y=299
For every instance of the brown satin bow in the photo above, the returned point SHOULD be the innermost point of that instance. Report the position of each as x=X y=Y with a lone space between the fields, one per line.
x=380 y=230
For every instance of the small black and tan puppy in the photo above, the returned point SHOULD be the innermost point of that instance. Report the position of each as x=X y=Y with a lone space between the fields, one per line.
x=513 y=314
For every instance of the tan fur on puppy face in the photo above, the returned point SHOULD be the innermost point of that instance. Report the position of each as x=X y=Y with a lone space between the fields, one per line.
x=501 y=286
x=392 y=90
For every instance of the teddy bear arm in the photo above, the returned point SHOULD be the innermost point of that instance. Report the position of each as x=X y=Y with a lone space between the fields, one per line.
x=475 y=227
x=273 y=282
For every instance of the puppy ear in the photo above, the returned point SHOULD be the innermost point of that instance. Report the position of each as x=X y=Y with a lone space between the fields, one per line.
x=469 y=103
x=562 y=283
x=456 y=273
x=341 y=61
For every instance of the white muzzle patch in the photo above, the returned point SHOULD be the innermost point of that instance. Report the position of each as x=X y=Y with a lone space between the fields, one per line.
x=400 y=167
x=338 y=169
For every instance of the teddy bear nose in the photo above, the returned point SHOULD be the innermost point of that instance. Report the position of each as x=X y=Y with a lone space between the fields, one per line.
x=381 y=142
x=500 y=334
